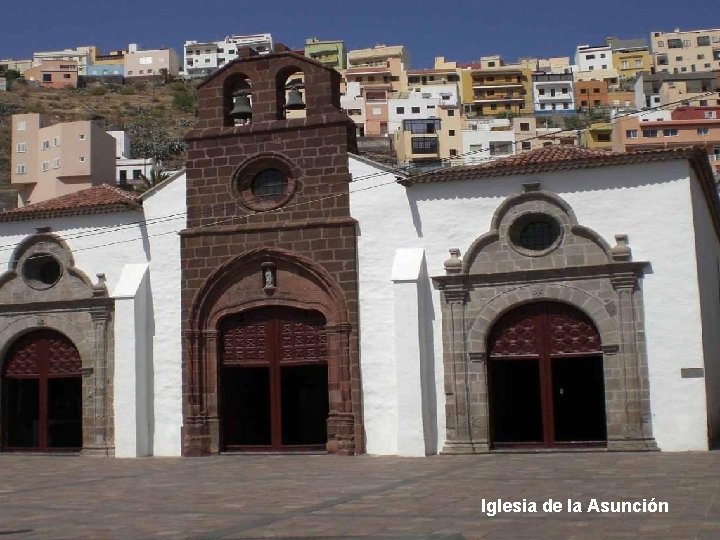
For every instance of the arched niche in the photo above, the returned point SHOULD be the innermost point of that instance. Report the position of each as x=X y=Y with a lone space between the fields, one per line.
x=290 y=88
x=234 y=87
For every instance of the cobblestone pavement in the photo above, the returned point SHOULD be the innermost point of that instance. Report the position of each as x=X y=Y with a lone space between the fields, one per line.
x=330 y=497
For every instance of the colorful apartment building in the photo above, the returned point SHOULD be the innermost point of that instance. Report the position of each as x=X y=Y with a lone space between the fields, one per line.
x=679 y=128
x=491 y=87
x=204 y=57
x=591 y=94
x=654 y=89
x=597 y=135
x=686 y=51
x=379 y=73
x=426 y=125
x=82 y=56
x=630 y=57
x=104 y=65
x=595 y=63
x=150 y=63
x=443 y=72
x=553 y=93
x=330 y=53
x=54 y=74
x=52 y=160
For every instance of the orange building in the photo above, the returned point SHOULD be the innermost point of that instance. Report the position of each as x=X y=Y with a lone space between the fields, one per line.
x=682 y=127
x=591 y=94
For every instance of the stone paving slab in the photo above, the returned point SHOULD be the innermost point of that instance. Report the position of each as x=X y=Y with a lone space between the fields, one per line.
x=378 y=498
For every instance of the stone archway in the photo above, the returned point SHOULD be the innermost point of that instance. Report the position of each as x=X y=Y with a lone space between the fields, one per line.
x=264 y=279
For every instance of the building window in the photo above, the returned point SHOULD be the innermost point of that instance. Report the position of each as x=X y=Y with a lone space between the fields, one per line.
x=671 y=132
x=45 y=144
x=589 y=57
x=710 y=114
x=524 y=126
x=415 y=110
x=45 y=166
x=703 y=131
x=526 y=145
x=47 y=77
x=82 y=159
x=625 y=64
x=566 y=106
x=631 y=133
x=424 y=145
x=603 y=137
x=651 y=133
x=56 y=141
x=270 y=184
x=56 y=163
x=674 y=43
x=453 y=152
x=451 y=133
x=400 y=110
x=583 y=91
x=541 y=92
x=22 y=147
x=421 y=126
x=81 y=136
x=703 y=41
x=451 y=113
x=20 y=169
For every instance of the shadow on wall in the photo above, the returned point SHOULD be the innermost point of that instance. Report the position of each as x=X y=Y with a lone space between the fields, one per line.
x=426 y=316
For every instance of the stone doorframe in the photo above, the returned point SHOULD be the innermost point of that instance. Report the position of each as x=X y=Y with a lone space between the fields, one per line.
x=603 y=283
x=241 y=285
x=82 y=312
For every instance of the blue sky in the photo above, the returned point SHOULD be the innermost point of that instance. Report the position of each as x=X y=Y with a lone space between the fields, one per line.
x=458 y=30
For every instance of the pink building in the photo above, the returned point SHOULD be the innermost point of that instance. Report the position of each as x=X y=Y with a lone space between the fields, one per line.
x=54 y=74
x=53 y=160
x=150 y=63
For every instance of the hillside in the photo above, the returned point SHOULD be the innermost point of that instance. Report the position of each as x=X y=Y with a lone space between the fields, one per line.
x=155 y=115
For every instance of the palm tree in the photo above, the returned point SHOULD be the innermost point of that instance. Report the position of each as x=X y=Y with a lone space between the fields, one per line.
x=156 y=177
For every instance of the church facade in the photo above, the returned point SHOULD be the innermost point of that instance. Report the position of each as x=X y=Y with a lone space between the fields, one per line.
x=284 y=294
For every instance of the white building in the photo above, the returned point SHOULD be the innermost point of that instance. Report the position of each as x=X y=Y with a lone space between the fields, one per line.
x=204 y=57
x=594 y=63
x=128 y=169
x=421 y=103
x=553 y=93
x=487 y=138
x=82 y=55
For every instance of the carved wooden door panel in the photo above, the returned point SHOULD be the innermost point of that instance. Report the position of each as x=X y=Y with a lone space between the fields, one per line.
x=273 y=380
x=42 y=394
x=545 y=377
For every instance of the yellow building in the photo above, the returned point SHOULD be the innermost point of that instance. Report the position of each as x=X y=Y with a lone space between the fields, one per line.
x=432 y=140
x=630 y=57
x=491 y=87
x=597 y=135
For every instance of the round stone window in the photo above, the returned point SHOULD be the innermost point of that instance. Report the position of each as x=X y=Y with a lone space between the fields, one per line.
x=41 y=271
x=535 y=234
x=269 y=185
x=265 y=182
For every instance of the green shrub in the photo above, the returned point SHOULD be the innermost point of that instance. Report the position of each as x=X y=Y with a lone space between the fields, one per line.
x=98 y=91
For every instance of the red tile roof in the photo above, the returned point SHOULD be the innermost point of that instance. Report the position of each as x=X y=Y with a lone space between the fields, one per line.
x=95 y=200
x=552 y=158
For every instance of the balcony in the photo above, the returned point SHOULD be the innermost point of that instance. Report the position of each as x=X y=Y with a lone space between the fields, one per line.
x=557 y=97
x=498 y=98
x=496 y=84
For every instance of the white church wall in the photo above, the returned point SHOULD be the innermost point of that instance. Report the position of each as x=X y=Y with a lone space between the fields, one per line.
x=165 y=213
x=708 y=268
x=649 y=202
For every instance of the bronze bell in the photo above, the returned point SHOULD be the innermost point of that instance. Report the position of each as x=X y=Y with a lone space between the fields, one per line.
x=294 y=100
x=242 y=110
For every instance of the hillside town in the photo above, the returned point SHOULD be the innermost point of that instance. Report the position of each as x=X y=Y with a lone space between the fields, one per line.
x=649 y=92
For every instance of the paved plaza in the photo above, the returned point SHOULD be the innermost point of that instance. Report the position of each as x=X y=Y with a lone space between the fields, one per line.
x=440 y=498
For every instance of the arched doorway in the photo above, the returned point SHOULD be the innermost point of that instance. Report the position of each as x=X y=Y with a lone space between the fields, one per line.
x=546 y=381
x=42 y=394
x=273 y=380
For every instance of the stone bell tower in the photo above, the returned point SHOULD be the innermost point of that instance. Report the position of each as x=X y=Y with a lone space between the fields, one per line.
x=269 y=232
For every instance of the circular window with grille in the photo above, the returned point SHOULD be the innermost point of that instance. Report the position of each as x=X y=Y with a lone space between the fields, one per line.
x=535 y=234
x=265 y=183
x=41 y=271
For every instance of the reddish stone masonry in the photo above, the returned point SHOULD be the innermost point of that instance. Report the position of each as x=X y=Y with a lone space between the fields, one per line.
x=308 y=237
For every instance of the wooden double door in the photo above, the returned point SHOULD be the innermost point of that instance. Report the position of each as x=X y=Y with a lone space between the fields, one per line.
x=546 y=381
x=274 y=380
x=42 y=394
